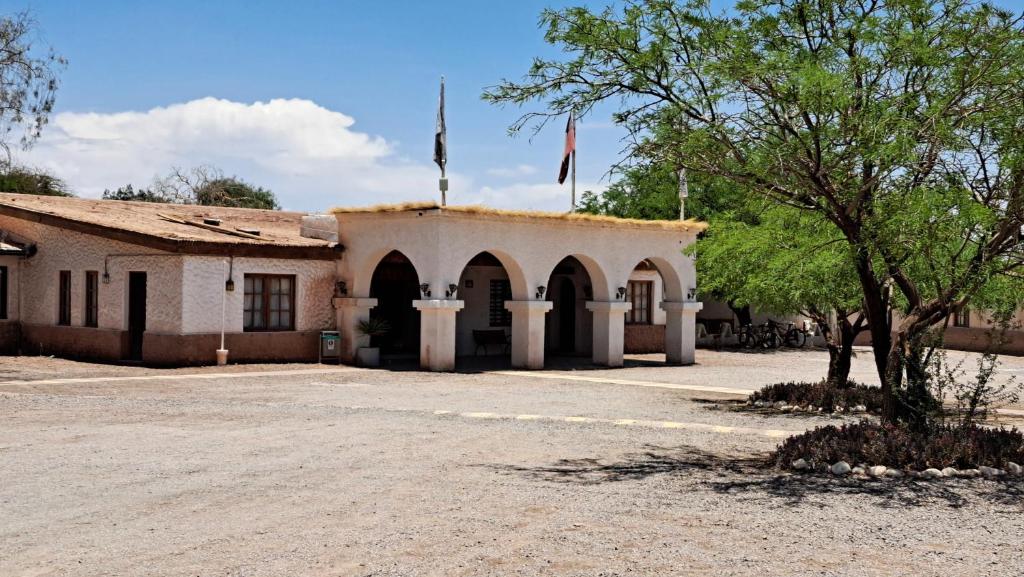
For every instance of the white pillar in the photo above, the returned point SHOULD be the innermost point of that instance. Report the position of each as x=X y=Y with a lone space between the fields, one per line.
x=609 y=331
x=680 y=331
x=348 y=312
x=437 y=333
x=528 y=332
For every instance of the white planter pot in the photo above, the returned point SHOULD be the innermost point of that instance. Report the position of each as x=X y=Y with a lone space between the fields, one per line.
x=368 y=356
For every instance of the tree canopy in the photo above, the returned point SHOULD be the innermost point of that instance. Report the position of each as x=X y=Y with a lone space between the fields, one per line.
x=28 y=82
x=22 y=180
x=900 y=124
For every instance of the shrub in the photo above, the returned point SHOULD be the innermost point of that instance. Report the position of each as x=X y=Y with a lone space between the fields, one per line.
x=821 y=394
x=962 y=447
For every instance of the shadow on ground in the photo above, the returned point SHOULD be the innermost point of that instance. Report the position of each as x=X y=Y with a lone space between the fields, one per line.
x=755 y=477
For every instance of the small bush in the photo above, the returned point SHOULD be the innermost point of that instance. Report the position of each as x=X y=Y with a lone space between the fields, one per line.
x=821 y=394
x=961 y=447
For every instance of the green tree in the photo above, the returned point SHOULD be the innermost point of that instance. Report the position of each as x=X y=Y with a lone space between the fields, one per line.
x=28 y=81
x=898 y=123
x=127 y=192
x=23 y=180
x=207 y=185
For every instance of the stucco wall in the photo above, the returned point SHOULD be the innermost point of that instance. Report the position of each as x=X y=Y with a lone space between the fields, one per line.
x=439 y=245
x=204 y=285
x=61 y=249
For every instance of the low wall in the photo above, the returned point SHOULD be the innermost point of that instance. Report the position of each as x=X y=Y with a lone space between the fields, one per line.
x=269 y=347
x=644 y=339
x=969 y=339
x=73 y=342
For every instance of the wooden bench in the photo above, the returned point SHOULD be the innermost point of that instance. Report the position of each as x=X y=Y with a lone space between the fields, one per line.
x=484 y=337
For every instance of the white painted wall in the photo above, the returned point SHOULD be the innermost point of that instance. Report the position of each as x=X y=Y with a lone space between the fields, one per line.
x=60 y=249
x=204 y=286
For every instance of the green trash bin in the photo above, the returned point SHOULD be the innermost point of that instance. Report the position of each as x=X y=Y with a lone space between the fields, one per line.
x=330 y=346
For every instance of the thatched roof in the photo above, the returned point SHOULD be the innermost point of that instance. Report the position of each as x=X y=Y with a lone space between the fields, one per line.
x=575 y=217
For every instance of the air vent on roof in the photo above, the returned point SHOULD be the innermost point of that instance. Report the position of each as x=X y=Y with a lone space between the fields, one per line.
x=212 y=221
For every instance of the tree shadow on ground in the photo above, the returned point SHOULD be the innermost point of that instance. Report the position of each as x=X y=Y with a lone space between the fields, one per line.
x=754 y=477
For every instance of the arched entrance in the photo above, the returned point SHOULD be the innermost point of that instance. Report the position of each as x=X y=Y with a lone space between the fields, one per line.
x=395 y=285
x=484 y=325
x=569 y=325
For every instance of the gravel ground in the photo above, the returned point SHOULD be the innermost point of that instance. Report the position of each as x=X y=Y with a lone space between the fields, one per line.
x=404 y=473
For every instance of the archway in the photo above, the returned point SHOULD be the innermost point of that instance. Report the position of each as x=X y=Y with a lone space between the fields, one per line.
x=484 y=325
x=569 y=325
x=395 y=285
x=645 y=321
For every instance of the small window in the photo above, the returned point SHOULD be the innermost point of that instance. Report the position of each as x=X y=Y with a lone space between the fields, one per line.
x=64 y=307
x=3 y=293
x=962 y=318
x=501 y=291
x=92 y=288
x=269 y=302
x=639 y=293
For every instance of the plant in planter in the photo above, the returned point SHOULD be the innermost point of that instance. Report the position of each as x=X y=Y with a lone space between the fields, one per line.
x=370 y=356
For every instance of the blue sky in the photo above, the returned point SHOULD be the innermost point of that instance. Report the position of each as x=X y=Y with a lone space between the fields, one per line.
x=376 y=62
x=349 y=93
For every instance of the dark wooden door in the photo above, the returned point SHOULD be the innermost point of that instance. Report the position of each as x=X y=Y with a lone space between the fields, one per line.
x=567 y=317
x=136 y=314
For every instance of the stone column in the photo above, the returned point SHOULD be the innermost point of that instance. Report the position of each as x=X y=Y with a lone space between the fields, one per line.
x=609 y=331
x=528 y=332
x=437 y=333
x=680 y=331
x=348 y=312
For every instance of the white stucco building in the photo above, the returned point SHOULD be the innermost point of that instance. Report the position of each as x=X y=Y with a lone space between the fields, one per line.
x=158 y=283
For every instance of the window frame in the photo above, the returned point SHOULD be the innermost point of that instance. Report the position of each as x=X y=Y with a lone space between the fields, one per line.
x=92 y=299
x=632 y=313
x=265 y=310
x=64 y=299
x=497 y=315
x=962 y=318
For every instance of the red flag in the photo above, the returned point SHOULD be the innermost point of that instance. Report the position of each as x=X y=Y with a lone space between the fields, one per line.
x=570 y=147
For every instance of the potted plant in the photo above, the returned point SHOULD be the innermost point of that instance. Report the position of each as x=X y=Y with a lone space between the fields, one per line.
x=369 y=328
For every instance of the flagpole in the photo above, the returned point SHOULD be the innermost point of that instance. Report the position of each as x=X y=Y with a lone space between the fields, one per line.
x=573 y=207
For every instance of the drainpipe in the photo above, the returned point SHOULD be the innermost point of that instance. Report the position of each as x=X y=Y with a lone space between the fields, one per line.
x=222 y=353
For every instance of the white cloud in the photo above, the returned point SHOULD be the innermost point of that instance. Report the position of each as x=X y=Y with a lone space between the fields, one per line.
x=513 y=172
x=310 y=156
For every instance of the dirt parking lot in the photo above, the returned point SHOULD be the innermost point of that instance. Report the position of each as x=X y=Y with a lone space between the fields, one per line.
x=307 y=470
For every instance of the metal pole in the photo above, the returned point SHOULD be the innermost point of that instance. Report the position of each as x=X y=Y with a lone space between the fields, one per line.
x=443 y=185
x=573 y=207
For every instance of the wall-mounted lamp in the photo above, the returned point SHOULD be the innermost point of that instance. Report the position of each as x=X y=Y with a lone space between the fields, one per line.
x=540 y=291
x=106 y=271
x=341 y=287
x=622 y=293
x=229 y=285
x=452 y=290
x=691 y=294
x=425 y=290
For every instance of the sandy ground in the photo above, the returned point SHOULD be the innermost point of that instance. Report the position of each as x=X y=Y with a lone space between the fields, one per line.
x=367 y=472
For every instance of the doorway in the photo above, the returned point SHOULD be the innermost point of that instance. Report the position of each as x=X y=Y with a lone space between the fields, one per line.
x=136 y=314
x=567 y=316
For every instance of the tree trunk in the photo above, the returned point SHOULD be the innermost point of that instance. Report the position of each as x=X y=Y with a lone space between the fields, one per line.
x=876 y=308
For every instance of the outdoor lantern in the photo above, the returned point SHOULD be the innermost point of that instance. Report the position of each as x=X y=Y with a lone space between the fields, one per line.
x=106 y=277
x=691 y=293
x=425 y=289
x=540 y=291
x=452 y=288
x=229 y=285
x=342 y=288
x=622 y=292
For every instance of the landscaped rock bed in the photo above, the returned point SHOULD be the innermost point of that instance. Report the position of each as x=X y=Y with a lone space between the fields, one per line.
x=893 y=451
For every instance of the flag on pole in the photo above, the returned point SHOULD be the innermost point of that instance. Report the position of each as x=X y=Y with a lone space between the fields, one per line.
x=441 y=134
x=570 y=147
